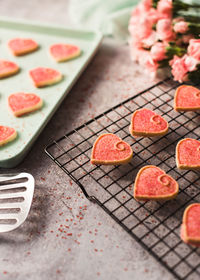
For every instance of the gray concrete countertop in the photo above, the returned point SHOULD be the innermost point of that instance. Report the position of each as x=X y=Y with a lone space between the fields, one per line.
x=54 y=243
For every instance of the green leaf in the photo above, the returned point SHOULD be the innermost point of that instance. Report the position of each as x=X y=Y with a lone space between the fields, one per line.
x=155 y=3
x=180 y=5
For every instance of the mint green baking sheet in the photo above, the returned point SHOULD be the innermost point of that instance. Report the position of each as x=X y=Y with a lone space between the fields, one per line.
x=29 y=126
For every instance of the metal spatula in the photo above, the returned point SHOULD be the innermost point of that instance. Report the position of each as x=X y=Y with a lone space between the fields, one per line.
x=16 y=194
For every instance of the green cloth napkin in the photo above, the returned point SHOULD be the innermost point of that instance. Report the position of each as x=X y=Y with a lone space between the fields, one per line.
x=109 y=16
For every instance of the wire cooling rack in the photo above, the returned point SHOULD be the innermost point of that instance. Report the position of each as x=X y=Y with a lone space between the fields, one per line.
x=155 y=225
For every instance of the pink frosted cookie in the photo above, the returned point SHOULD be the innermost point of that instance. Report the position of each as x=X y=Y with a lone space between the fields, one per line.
x=152 y=183
x=45 y=76
x=188 y=154
x=8 y=68
x=190 y=228
x=7 y=134
x=21 y=103
x=110 y=149
x=21 y=46
x=64 y=52
x=187 y=98
x=147 y=123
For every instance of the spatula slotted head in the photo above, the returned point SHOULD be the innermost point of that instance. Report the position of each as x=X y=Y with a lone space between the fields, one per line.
x=16 y=194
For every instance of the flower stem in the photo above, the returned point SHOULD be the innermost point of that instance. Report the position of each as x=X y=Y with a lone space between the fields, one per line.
x=172 y=50
x=194 y=28
x=190 y=18
x=179 y=5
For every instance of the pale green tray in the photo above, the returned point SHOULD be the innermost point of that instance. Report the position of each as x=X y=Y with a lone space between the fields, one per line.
x=30 y=126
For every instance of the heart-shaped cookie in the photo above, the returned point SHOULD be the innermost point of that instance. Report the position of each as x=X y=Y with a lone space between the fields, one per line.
x=64 y=52
x=187 y=98
x=152 y=183
x=7 y=134
x=45 y=76
x=110 y=149
x=21 y=46
x=8 y=68
x=21 y=103
x=147 y=123
x=188 y=154
x=190 y=228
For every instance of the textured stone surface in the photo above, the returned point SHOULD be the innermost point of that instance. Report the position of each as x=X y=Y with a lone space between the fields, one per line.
x=57 y=241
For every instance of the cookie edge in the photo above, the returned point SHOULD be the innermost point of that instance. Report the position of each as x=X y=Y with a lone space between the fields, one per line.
x=147 y=134
x=23 y=52
x=77 y=54
x=9 y=139
x=184 y=235
x=96 y=162
x=184 y=166
x=26 y=110
x=10 y=73
x=48 y=82
x=161 y=197
x=185 y=109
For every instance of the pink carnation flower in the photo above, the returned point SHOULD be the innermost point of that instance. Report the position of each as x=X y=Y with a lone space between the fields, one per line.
x=153 y=16
x=177 y=19
x=146 y=4
x=164 y=8
x=145 y=28
x=144 y=58
x=181 y=66
x=148 y=63
x=181 y=27
x=186 y=38
x=135 y=50
x=158 y=51
x=164 y=30
x=142 y=19
x=191 y=63
x=135 y=15
x=152 y=67
x=194 y=48
x=179 y=69
x=150 y=40
x=140 y=27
